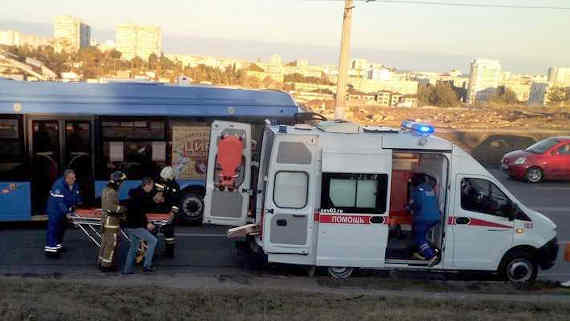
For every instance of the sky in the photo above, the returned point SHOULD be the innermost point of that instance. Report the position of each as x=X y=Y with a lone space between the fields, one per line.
x=407 y=36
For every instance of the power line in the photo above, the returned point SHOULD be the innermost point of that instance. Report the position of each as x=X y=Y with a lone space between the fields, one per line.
x=451 y=4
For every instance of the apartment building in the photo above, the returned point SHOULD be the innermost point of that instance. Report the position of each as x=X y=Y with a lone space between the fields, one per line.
x=407 y=87
x=70 y=33
x=483 y=80
x=138 y=41
x=559 y=77
x=538 y=95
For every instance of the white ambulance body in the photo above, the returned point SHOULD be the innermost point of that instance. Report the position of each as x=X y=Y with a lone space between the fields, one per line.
x=335 y=196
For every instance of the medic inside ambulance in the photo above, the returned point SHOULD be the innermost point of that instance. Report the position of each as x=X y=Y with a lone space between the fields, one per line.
x=412 y=237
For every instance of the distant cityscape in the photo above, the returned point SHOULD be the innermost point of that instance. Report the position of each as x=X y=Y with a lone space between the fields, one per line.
x=370 y=83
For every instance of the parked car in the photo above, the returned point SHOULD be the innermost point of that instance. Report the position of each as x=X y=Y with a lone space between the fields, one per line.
x=548 y=159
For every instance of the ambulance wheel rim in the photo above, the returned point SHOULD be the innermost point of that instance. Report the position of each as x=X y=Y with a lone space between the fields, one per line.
x=520 y=270
x=340 y=272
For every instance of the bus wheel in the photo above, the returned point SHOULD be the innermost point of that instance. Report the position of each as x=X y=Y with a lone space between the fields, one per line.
x=340 y=273
x=192 y=209
x=519 y=268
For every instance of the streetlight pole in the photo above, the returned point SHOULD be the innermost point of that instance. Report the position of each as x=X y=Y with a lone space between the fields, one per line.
x=343 y=60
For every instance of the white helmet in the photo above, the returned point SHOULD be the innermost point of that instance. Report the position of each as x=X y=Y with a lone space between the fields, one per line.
x=167 y=173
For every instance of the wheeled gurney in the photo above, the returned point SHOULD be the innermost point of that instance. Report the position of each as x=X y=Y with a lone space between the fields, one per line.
x=89 y=222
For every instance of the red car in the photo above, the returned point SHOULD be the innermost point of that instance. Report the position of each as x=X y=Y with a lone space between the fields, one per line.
x=548 y=159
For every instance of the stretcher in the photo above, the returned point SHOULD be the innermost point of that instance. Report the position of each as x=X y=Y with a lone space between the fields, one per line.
x=89 y=222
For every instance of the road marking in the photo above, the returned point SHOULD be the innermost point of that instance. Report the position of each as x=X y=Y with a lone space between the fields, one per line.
x=199 y=235
x=553 y=188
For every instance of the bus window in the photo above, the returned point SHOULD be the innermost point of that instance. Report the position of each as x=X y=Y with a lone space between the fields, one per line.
x=137 y=147
x=11 y=149
x=78 y=155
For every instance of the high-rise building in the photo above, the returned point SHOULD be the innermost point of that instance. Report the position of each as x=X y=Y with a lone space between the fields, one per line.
x=15 y=38
x=70 y=33
x=9 y=38
x=539 y=94
x=276 y=60
x=484 y=80
x=559 y=77
x=138 y=41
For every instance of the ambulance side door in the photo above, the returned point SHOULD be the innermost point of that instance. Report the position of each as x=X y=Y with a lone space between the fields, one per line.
x=353 y=218
x=227 y=198
x=290 y=195
x=482 y=229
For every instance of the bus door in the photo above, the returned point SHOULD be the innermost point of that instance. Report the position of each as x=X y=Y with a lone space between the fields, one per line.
x=56 y=145
x=14 y=172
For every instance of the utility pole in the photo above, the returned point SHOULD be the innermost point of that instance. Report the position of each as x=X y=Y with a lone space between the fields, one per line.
x=343 y=60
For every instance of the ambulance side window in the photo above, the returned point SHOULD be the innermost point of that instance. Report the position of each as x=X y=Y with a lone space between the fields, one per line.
x=482 y=196
x=354 y=193
x=291 y=189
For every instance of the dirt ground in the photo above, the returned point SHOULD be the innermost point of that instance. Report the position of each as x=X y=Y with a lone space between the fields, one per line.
x=456 y=118
x=53 y=299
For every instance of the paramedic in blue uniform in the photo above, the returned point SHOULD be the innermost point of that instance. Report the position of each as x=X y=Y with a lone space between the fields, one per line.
x=425 y=210
x=63 y=197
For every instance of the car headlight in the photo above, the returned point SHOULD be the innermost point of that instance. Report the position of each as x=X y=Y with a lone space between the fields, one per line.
x=519 y=161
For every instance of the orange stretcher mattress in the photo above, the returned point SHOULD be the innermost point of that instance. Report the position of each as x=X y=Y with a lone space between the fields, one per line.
x=97 y=212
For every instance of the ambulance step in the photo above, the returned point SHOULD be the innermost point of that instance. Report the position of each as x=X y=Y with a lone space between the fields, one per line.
x=243 y=231
x=407 y=262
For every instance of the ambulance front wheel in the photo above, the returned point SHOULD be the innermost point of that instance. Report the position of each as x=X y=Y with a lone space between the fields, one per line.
x=519 y=268
x=192 y=209
x=340 y=273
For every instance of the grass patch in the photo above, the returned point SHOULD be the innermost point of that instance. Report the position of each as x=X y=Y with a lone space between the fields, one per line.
x=41 y=299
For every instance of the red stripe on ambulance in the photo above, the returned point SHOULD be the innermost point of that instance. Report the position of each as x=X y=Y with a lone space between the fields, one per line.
x=478 y=222
x=344 y=219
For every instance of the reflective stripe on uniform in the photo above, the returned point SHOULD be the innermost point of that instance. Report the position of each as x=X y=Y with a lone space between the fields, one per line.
x=105 y=260
x=55 y=195
x=50 y=249
x=169 y=239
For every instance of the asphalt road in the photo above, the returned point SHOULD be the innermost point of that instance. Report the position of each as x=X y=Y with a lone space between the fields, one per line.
x=206 y=248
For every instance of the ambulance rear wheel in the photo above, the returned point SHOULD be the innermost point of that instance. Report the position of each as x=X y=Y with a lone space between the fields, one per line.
x=340 y=273
x=192 y=209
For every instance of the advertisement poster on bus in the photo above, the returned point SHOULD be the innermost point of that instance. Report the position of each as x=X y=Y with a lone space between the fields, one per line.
x=190 y=149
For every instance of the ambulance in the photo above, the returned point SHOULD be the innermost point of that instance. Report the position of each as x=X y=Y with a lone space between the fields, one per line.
x=335 y=195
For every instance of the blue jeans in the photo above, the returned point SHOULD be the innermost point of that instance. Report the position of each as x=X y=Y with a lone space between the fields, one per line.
x=421 y=227
x=135 y=236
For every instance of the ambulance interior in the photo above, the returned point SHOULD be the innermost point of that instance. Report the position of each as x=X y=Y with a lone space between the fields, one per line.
x=434 y=167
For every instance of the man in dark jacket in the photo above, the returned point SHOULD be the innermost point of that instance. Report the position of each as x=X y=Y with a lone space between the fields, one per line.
x=138 y=228
x=63 y=197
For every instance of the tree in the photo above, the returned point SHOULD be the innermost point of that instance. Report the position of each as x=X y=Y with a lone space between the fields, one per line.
x=152 y=62
x=559 y=95
x=441 y=95
x=137 y=63
x=504 y=96
x=255 y=67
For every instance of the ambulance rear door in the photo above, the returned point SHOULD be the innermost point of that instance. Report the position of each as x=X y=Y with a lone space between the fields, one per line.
x=229 y=174
x=353 y=218
x=290 y=195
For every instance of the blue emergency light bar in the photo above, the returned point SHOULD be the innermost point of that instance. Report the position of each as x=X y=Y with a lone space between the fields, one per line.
x=418 y=128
